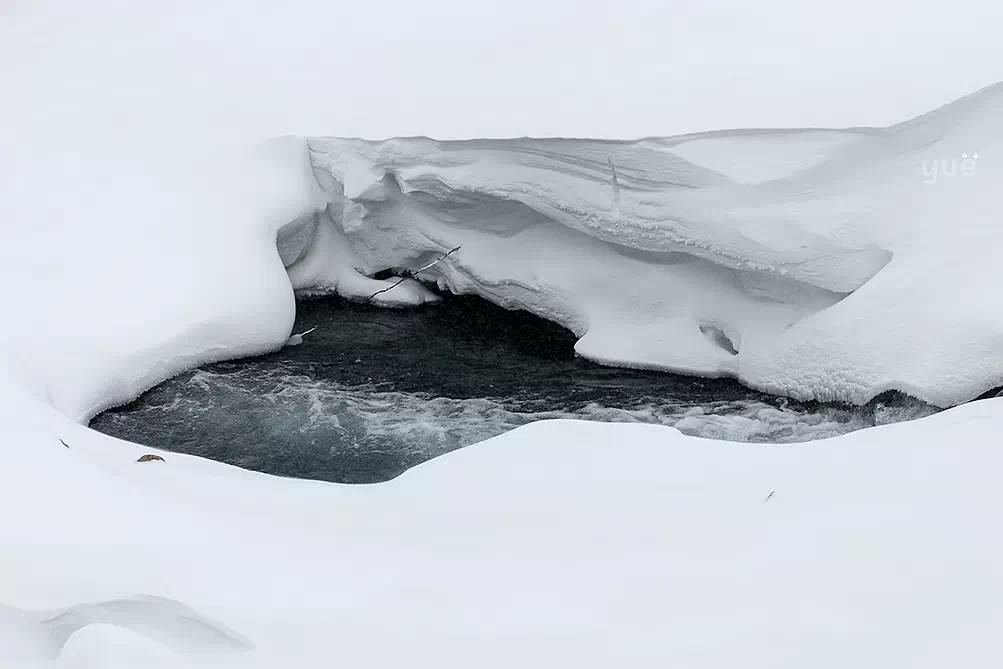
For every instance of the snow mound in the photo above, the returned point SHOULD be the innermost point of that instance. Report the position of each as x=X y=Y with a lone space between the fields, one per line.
x=802 y=262
x=135 y=632
x=103 y=646
x=164 y=621
x=576 y=543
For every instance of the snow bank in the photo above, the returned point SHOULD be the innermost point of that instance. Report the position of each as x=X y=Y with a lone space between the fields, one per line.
x=139 y=225
x=802 y=262
x=136 y=272
x=874 y=549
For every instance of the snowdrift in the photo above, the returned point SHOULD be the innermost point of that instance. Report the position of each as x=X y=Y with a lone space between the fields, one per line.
x=819 y=264
x=139 y=239
x=535 y=548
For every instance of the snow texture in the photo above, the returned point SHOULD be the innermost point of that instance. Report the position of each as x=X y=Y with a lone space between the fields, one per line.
x=802 y=262
x=874 y=549
x=141 y=202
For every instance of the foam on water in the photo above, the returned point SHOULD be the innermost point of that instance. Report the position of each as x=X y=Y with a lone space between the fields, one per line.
x=366 y=399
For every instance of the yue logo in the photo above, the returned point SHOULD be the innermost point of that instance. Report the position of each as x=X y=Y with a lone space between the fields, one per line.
x=934 y=169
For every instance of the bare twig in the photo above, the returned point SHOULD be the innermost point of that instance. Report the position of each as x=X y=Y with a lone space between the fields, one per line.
x=297 y=339
x=306 y=332
x=379 y=292
x=64 y=443
x=772 y=493
x=409 y=274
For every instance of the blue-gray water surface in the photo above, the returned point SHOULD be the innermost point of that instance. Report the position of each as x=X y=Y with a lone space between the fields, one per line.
x=372 y=392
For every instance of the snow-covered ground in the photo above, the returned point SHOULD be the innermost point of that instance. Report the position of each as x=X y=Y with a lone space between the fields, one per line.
x=142 y=186
x=876 y=549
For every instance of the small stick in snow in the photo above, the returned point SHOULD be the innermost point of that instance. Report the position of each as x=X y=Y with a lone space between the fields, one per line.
x=772 y=493
x=297 y=339
x=64 y=443
x=409 y=274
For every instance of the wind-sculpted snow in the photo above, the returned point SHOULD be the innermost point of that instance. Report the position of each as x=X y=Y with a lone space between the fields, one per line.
x=803 y=262
x=140 y=240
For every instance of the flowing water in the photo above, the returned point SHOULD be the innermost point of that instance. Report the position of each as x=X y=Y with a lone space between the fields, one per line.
x=374 y=391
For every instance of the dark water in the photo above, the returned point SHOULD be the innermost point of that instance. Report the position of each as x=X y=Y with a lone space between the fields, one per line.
x=374 y=391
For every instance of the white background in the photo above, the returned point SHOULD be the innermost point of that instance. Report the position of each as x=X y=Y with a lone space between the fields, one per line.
x=451 y=69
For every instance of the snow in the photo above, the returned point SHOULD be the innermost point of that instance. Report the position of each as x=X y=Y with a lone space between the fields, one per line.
x=147 y=170
x=101 y=645
x=327 y=264
x=813 y=260
x=876 y=548
x=753 y=157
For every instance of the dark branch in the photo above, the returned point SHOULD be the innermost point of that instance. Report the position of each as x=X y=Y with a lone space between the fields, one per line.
x=410 y=274
x=380 y=292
